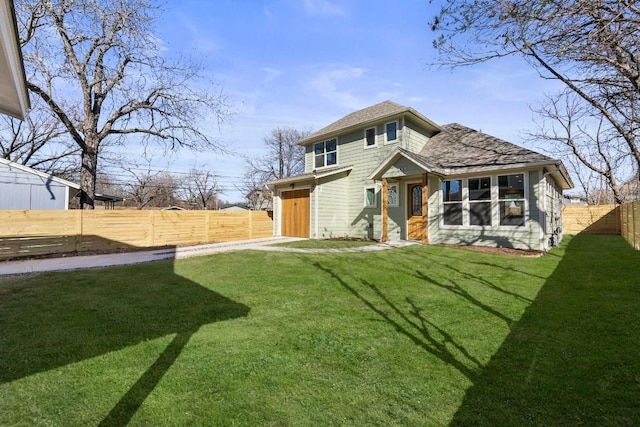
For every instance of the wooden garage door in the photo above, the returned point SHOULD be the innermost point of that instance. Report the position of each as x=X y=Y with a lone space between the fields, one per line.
x=295 y=213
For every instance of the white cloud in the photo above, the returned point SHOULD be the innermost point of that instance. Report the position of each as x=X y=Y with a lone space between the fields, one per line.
x=323 y=8
x=271 y=74
x=329 y=84
x=201 y=40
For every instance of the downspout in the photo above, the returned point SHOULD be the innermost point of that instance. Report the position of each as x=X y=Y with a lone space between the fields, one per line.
x=556 y=235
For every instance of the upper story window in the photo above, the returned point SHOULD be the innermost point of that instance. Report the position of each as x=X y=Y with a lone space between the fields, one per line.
x=391 y=132
x=370 y=137
x=325 y=153
x=511 y=199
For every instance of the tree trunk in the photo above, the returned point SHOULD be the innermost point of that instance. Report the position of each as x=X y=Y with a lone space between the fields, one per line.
x=88 y=178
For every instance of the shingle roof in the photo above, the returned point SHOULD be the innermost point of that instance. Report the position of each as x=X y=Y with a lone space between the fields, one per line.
x=362 y=117
x=461 y=148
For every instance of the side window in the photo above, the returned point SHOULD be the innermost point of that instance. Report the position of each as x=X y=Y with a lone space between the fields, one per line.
x=370 y=197
x=452 y=202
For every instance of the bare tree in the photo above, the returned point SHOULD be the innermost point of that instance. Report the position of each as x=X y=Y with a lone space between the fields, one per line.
x=99 y=68
x=38 y=141
x=283 y=158
x=590 y=46
x=148 y=189
x=586 y=144
x=201 y=189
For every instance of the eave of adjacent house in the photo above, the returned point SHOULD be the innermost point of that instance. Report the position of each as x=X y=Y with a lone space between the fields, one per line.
x=311 y=176
x=14 y=99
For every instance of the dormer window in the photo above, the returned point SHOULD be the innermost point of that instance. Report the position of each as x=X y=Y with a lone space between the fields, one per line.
x=391 y=132
x=326 y=153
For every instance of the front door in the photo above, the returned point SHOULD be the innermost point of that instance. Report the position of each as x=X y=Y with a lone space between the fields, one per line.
x=415 y=220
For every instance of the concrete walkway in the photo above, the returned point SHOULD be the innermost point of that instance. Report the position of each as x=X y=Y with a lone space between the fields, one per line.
x=127 y=258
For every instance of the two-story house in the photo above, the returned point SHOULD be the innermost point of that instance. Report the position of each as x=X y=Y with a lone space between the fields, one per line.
x=387 y=172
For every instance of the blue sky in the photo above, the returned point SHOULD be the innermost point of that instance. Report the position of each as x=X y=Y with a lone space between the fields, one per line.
x=307 y=63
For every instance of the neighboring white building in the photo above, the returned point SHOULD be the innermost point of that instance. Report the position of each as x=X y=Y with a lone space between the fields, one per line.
x=24 y=188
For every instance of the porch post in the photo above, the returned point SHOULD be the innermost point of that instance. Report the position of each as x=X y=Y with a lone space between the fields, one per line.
x=385 y=213
x=425 y=208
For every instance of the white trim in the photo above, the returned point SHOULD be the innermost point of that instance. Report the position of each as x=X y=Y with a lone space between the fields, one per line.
x=375 y=137
x=316 y=209
x=386 y=137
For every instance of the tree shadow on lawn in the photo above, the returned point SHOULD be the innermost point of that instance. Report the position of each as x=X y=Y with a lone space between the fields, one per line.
x=414 y=325
x=55 y=319
x=572 y=358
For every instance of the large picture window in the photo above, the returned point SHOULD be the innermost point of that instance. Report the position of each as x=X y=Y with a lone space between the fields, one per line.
x=452 y=202
x=480 y=201
x=511 y=199
x=326 y=153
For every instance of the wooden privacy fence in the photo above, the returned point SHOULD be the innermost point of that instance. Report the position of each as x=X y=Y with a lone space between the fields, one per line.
x=597 y=219
x=32 y=233
x=630 y=219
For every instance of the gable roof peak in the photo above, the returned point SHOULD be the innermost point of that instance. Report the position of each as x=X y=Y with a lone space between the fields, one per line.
x=368 y=115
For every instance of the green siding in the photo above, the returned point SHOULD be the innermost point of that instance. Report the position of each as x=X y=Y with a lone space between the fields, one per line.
x=329 y=202
x=352 y=152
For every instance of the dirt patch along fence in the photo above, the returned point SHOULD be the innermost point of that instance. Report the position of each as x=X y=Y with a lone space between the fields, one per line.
x=596 y=219
x=630 y=219
x=34 y=233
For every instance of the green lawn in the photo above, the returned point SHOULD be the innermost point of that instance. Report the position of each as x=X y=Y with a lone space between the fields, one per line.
x=326 y=244
x=414 y=336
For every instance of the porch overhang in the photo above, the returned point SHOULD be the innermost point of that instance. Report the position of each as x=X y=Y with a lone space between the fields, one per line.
x=420 y=164
x=310 y=176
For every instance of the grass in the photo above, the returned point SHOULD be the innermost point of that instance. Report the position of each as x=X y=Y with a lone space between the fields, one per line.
x=414 y=336
x=326 y=244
